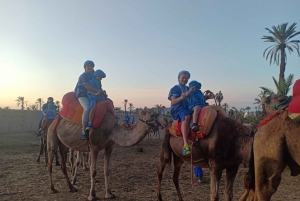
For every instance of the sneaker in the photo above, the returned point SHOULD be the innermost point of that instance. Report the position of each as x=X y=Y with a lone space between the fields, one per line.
x=40 y=130
x=186 y=150
x=38 y=134
x=89 y=127
x=195 y=127
x=83 y=135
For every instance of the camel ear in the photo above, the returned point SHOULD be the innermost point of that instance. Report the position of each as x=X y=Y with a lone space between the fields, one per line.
x=265 y=100
x=142 y=112
x=281 y=98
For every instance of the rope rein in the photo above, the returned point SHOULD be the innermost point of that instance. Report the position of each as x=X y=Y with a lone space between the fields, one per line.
x=277 y=107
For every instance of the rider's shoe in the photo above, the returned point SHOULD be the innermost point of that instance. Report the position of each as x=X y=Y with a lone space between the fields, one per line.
x=195 y=127
x=83 y=134
x=89 y=126
x=186 y=150
x=38 y=134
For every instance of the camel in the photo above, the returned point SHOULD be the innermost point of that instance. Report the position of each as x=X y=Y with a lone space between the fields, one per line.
x=227 y=145
x=67 y=135
x=43 y=147
x=81 y=158
x=275 y=146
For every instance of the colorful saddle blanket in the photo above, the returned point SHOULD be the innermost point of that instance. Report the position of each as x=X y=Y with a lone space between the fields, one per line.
x=294 y=106
x=206 y=119
x=72 y=110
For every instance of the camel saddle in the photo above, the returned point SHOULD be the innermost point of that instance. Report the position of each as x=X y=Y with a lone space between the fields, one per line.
x=206 y=118
x=45 y=123
x=72 y=110
x=294 y=106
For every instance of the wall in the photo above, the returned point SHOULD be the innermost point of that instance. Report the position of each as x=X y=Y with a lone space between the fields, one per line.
x=19 y=121
x=24 y=121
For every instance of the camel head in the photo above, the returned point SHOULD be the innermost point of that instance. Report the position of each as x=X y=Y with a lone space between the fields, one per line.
x=151 y=118
x=275 y=102
x=250 y=129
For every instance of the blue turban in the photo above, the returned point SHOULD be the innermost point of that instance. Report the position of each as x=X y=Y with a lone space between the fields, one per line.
x=184 y=72
x=88 y=62
x=196 y=84
x=99 y=73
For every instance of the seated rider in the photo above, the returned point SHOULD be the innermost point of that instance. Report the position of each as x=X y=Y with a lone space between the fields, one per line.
x=179 y=107
x=132 y=120
x=196 y=102
x=50 y=112
x=127 y=119
x=94 y=97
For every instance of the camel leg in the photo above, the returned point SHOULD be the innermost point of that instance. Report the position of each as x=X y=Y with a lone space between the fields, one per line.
x=45 y=149
x=75 y=168
x=94 y=155
x=52 y=143
x=71 y=160
x=230 y=176
x=84 y=161
x=215 y=176
x=267 y=177
x=268 y=165
x=177 y=167
x=41 y=150
x=159 y=174
x=165 y=158
x=64 y=155
x=107 y=155
x=56 y=159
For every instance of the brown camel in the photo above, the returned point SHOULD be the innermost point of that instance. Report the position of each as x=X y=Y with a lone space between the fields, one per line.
x=43 y=147
x=275 y=146
x=227 y=145
x=68 y=135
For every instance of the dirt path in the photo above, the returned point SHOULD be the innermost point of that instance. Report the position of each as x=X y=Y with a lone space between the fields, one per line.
x=133 y=175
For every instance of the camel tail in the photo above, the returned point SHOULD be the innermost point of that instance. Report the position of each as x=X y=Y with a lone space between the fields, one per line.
x=166 y=151
x=249 y=179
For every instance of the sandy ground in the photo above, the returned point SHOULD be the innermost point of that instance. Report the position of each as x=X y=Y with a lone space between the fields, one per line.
x=133 y=175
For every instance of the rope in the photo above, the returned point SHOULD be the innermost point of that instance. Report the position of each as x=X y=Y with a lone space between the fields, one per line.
x=192 y=173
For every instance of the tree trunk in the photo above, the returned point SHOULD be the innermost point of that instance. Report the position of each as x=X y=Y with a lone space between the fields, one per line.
x=282 y=64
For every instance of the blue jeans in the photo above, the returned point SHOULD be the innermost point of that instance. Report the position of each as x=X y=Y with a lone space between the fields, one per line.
x=85 y=103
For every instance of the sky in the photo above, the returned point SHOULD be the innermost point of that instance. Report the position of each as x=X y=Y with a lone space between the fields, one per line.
x=141 y=46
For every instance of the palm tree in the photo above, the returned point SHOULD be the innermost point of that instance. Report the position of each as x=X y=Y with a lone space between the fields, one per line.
x=32 y=107
x=219 y=97
x=225 y=106
x=163 y=109
x=131 y=107
x=284 y=85
x=39 y=101
x=248 y=108
x=57 y=103
x=21 y=101
x=280 y=37
x=125 y=104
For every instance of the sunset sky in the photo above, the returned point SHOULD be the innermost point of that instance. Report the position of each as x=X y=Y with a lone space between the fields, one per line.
x=141 y=46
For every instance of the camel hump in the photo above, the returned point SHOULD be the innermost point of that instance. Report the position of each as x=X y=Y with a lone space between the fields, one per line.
x=206 y=119
x=72 y=110
x=294 y=106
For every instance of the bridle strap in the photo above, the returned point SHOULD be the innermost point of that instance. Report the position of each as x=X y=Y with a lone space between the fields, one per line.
x=280 y=104
x=149 y=124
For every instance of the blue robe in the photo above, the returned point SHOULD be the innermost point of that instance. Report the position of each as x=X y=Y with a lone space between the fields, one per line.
x=180 y=110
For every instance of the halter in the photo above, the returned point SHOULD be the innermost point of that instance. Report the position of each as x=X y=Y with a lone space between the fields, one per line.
x=150 y=122
x=278 y=106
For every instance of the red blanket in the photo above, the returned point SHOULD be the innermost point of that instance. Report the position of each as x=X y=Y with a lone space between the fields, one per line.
x=206 y=118
x=294 y=106
x=72 y=109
